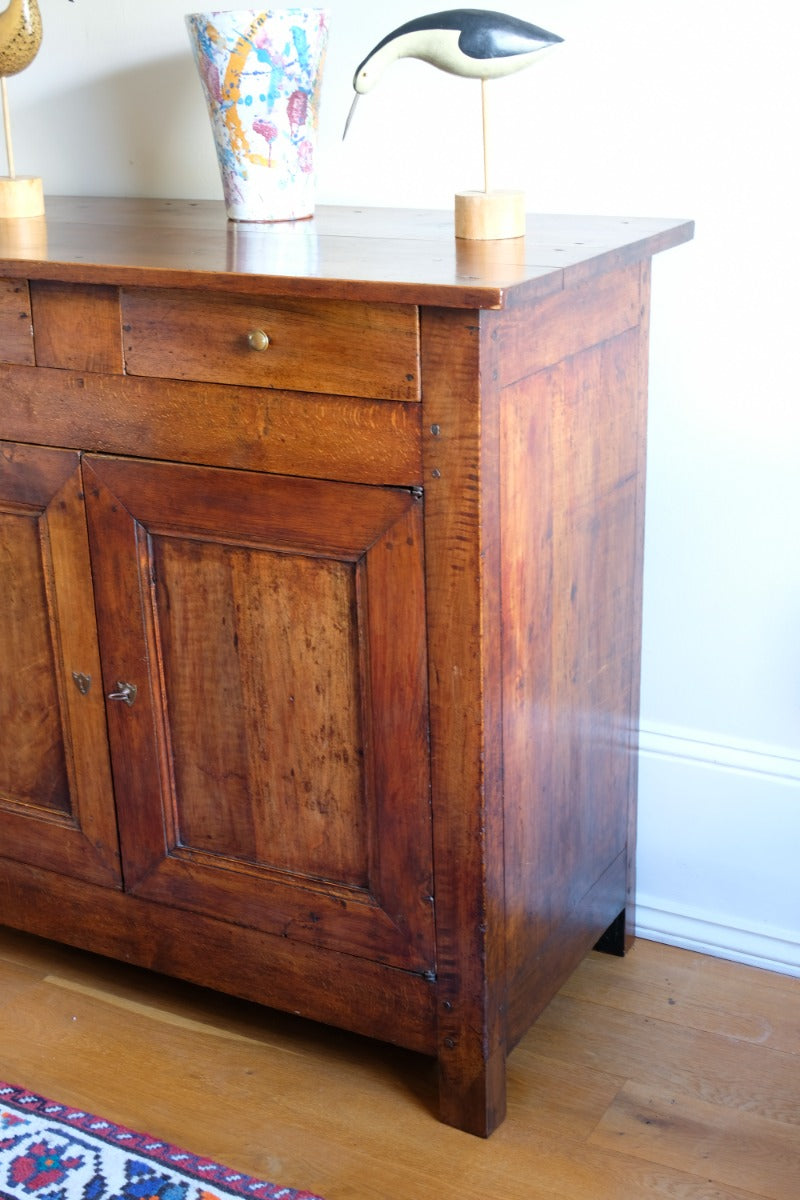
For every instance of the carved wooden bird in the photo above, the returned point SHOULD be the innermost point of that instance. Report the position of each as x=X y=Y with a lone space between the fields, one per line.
x=471 y=42
x=20 y=36
x=20 y=39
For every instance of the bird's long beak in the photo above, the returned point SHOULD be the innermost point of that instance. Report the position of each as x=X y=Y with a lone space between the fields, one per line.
x=350 y=115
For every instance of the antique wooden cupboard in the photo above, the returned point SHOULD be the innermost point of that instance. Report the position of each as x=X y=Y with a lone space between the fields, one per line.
x=320 y=590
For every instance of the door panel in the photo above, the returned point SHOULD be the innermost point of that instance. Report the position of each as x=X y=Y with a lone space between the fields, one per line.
x=33 y=766
x=273 y=767
x=56 y=798
x=291 y=678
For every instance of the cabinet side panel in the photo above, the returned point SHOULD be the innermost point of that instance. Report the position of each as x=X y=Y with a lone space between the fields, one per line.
x=571 y=654
x=586 y=314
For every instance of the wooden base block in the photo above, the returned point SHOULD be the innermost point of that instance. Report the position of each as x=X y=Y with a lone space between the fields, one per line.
x=23 y=237
x=490 y=216
x=21 y=197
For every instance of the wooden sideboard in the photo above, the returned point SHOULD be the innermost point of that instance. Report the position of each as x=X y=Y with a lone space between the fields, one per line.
x=320 y=608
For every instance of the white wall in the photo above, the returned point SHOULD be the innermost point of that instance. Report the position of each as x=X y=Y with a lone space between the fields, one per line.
x=686 y=109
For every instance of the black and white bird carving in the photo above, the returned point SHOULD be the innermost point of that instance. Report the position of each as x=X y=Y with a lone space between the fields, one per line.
x=472 y=42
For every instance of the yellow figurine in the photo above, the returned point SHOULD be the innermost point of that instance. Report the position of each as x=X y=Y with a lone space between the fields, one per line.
x=20 y=36
x=20 y=39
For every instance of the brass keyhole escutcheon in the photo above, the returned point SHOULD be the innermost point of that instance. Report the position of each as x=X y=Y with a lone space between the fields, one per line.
x=82 y=682
x=257 y=339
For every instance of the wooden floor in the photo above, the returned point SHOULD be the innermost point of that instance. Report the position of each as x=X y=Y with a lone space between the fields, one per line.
x=665 y=1075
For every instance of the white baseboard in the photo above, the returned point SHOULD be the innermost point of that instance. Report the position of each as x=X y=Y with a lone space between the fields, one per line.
x=672 y=741
x=719 y=847
x=693 y=931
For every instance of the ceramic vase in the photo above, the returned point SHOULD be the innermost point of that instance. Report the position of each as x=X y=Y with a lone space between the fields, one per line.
x=261 y=72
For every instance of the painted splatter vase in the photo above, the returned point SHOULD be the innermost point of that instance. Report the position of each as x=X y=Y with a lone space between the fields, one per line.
x=261 y=72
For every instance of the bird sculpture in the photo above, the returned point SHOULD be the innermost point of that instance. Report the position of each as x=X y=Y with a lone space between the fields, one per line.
x=20 y=39
x=475 y=44
x=470 y=42
x=20 y=36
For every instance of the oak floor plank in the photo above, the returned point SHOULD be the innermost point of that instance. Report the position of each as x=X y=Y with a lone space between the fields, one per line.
x=165 y=1013
x=718 y=1069
x=728 y=1146
x=357 y=1139
x=15 y=980
x=291 y=1101
x=692 y=990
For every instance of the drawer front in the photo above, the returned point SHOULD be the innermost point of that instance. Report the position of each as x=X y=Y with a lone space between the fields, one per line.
x=334 y=347
x=16 y=329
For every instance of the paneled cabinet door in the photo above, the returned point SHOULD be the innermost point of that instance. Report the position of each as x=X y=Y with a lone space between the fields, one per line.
x=265 y=639
x=56 y=800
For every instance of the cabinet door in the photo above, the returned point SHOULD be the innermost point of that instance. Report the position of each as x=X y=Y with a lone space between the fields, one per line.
x=271 y=767
x=56 y=800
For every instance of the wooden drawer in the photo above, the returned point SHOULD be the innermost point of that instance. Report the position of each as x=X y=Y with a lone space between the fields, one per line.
x=336 y=347
x=16 y=330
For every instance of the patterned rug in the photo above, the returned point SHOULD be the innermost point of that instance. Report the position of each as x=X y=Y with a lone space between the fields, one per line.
x=49 y=1151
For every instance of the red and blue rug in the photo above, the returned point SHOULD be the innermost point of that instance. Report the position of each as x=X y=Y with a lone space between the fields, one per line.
x=49 y=1151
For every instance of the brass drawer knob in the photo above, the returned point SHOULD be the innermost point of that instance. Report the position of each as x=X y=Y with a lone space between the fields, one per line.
x=257 y=339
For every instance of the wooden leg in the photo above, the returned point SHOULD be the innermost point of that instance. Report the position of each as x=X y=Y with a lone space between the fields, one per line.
x=615 y=940
x=472 y=1096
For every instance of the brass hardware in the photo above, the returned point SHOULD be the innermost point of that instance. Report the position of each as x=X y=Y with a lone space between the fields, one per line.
x=82 y=682
x=126 y=693
x=257 y=339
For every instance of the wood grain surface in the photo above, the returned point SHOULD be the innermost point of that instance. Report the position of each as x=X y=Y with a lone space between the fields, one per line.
x=324 y=542
x=387 y=255
x=666 y=1076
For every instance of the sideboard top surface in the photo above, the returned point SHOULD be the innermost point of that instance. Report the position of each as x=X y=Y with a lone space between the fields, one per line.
x=375 y=254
